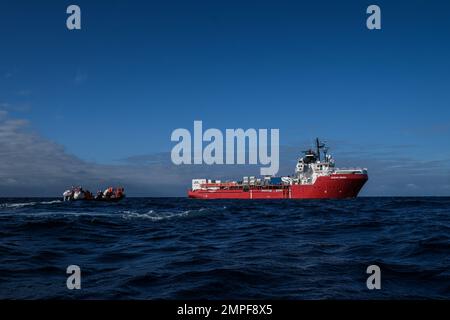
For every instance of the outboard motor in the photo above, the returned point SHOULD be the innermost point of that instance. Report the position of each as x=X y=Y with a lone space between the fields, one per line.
x=78 y=195
x=67 y=195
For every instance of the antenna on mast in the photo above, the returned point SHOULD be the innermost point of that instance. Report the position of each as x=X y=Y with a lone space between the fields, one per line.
x=325 y=151
x=318 y=148
x=320 y=145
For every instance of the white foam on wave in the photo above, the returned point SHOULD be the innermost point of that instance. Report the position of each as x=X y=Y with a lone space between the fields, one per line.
x=151 y=215
x=26 y=204
x=58 y=214
x=17 y=205
x=158 y=216
x=51 y=202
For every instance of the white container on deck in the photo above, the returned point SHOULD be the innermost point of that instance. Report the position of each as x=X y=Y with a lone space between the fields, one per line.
x=197 y=183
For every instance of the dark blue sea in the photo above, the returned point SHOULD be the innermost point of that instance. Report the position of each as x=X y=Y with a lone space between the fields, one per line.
x=175 y=248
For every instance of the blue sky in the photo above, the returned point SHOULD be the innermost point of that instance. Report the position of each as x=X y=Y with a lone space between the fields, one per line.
x=137 y=70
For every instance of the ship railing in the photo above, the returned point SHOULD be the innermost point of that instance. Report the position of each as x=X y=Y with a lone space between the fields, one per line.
x=222 y=184
x=350 y=170
x=205 y=186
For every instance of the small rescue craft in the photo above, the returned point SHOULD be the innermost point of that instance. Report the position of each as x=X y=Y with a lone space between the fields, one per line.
x=109 y=195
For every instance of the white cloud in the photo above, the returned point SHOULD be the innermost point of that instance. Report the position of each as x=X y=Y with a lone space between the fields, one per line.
x=31 y=165
x=24 y=92
x=3 y=114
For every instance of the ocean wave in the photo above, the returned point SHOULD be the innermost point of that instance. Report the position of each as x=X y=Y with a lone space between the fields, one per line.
x=178 y=248
x=158 y=216
x=28 y=204
x=51 y=202
x=419 y=202
x=17 y=205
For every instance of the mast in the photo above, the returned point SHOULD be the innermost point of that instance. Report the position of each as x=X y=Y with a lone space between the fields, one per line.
x=318 y=148
x=321 y=145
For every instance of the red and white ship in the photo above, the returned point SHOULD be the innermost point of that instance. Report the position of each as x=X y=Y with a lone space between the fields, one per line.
x=315 y=177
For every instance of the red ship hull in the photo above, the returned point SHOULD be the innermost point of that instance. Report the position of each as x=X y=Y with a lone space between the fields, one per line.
x=335 y=186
